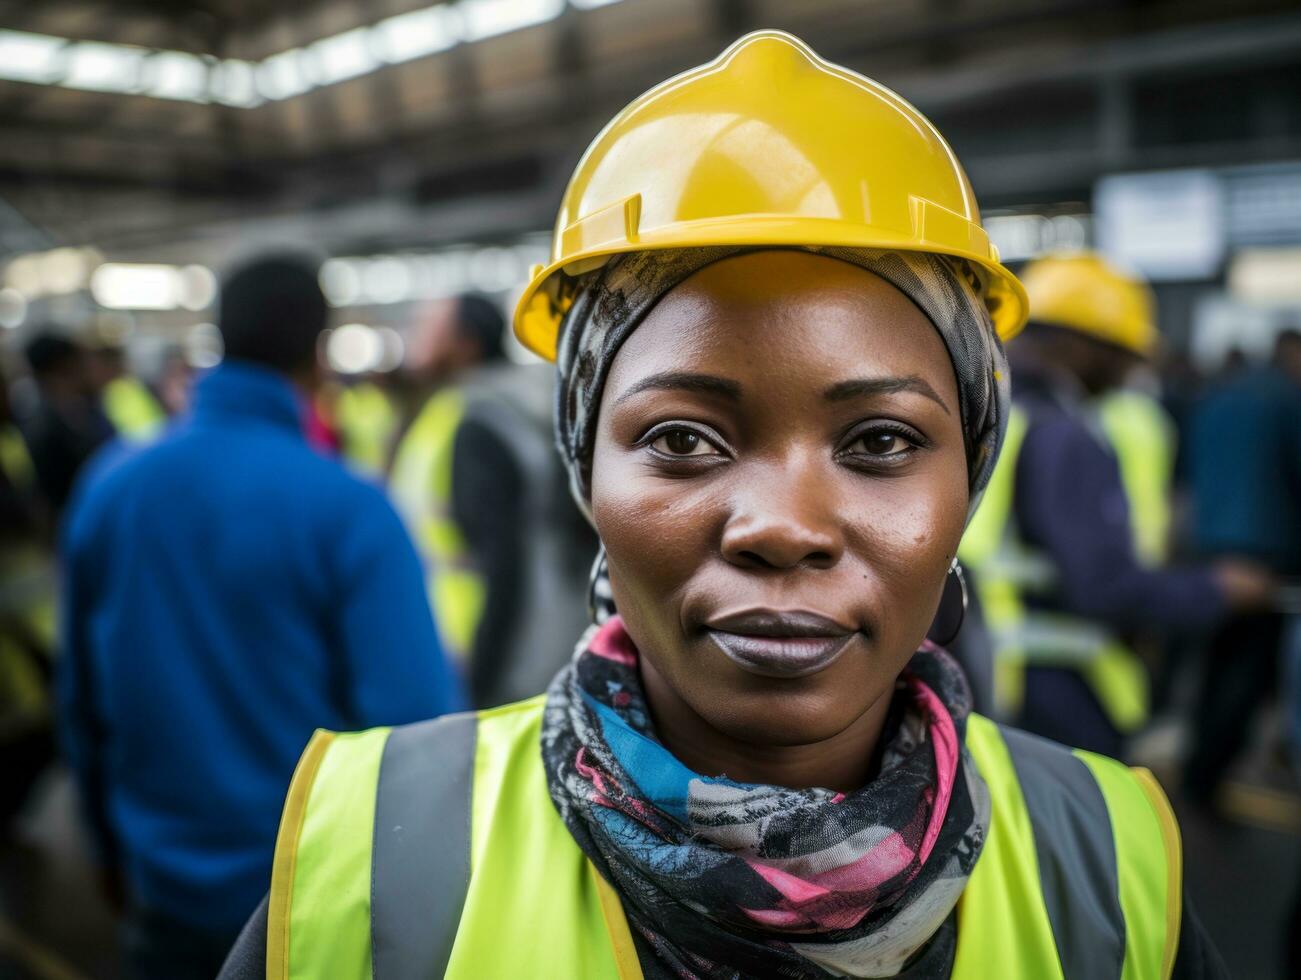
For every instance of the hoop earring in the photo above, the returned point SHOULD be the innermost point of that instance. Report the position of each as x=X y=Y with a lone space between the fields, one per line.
x=600 y=597
x=955 y=573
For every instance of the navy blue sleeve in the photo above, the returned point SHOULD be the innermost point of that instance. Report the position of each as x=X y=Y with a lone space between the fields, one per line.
x=397 y=671
x=1070 y=502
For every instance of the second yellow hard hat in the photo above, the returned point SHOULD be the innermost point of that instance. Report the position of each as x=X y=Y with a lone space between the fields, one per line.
x=767 y=145
x=1083 y=291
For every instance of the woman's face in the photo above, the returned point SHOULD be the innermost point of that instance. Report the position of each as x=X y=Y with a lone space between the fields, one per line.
x=780 y=483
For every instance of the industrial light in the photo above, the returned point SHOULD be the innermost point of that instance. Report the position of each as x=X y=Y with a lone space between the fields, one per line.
x=103 y=67
x=234 y=83
x=283 y=75
x=343 y=56
x=120 y=286
x=488 y=18
x=354 y=348
x=418 y=33
x=176 y=75
x=31 y=57
x=196 y=287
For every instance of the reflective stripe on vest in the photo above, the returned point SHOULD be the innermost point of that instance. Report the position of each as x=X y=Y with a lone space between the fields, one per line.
x=421 y=484
x=1005 y=570
x=1142 y=437
x=391 y=845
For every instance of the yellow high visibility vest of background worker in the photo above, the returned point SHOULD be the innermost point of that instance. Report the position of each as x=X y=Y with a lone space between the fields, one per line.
x=133 y=409
x=507 y=406
x=1017 y=582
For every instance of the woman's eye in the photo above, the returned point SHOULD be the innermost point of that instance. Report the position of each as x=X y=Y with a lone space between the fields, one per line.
x=883 y=442
x=682 y=442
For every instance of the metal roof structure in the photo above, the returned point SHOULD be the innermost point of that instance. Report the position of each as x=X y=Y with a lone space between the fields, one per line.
x=144 y=125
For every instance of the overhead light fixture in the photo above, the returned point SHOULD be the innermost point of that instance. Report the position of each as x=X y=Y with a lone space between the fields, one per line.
x=96 y=66
x=418 y=33
x=34 y=58
x=103 y=67
x=234 y=83
x=175 y=75
x=196 y=287
x=283 y=75
x=354 y=348
x=488 y=18
x=341 y=57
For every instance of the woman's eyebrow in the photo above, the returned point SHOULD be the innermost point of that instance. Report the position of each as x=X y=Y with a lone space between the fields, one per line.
x=883 y=386
x=684 y=381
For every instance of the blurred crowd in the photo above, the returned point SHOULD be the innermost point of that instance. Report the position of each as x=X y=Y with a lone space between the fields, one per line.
x=249 y=552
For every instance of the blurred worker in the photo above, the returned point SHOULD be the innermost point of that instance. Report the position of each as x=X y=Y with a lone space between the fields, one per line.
x=67 y=425
x=26 y=622
x=1054 y=546
x=367 y=421
x=1246 y=481
x=229 y=590
x=487 y=499
x=133 y=409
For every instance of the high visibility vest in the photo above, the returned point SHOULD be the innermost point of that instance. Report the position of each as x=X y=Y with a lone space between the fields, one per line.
x=555 y=546
x=435 y=850
x=1143 y=438
x=132 y=409
x=1006 y=570
x=27 y=606
x=367 y=422
x=421 y=485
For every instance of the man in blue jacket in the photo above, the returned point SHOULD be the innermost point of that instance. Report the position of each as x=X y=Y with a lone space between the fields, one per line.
x=227 y=591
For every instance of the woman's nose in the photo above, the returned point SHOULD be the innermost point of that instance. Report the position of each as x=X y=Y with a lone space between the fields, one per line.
x=783 y=524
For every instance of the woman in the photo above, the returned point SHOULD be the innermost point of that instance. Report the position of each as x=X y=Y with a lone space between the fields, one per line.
x=781 y=392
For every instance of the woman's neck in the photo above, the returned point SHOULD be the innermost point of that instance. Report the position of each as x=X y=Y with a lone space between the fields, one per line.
x=844 y=762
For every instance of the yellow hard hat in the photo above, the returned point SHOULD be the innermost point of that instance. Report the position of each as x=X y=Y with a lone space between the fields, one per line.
x=766 y=145
x=1084 y=292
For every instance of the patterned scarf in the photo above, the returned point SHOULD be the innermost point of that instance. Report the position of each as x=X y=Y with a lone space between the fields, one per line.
x=721 y=879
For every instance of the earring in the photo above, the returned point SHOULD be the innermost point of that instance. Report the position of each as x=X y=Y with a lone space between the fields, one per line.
x=955 y=576
x=600 y=597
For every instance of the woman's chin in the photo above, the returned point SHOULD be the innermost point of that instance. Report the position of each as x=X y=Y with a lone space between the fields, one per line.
x=786 y=714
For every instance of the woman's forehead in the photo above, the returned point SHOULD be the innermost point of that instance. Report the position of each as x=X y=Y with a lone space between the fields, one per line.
x=785 y=313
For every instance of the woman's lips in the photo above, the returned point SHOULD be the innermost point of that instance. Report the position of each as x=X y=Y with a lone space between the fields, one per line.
x=777 y=644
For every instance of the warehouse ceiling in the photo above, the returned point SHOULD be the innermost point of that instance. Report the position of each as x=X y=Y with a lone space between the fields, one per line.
x=145 y=125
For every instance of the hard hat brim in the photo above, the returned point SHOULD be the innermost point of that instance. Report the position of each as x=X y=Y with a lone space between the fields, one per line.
x=542 y=305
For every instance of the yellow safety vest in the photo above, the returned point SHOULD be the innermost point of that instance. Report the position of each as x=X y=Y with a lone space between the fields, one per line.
x=367 y=422
x=1005 y=570
x=27 y=601
x=1143 y=438
x=421 y=485
x=132 y=409
x=435 y=850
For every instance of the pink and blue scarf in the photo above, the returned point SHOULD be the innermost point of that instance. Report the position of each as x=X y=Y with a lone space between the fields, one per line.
x=727 y=879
